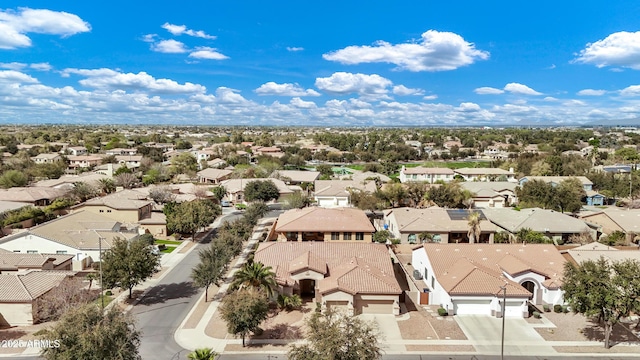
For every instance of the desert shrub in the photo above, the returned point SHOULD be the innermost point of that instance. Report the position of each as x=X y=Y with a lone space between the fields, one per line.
x=557 y=308
x=565 y=309
x=546 y=308
x=108 y=293
x=442 y=312
x=537 y=315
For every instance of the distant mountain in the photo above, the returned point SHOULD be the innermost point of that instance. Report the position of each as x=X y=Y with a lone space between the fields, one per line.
x=614 y=123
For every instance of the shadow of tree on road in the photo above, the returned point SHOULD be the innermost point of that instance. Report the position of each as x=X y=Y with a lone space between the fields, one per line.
x=162 y=293
x=621 y=333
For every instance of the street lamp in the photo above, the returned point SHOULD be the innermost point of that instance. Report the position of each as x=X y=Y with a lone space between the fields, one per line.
x=504 y=308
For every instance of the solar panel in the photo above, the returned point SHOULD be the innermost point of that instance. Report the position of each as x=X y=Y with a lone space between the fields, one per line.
x=463 y=214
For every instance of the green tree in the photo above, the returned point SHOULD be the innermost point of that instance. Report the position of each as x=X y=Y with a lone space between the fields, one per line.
x=255 y=275
x=202 y=354
x=13 y=178
x=261 y=190
x=627 y=154
x=449 y=195
x=89 y=333
x=395 y=194
x=569 y=194
x=127 y=264
x=184 y=163
x=211 y=268
x=188 y=217
x=82 y=191
x=607 y=291
x=336 y=336
x=382 y=236
x=326 y=172
x=244 y=310
x=473 y=221
x=297 y=200
x=219 y=192
x=531 y=237
x=106 y=185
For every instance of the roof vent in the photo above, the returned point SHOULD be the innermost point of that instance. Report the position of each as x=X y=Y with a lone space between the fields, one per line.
x=479 y=249
x=498 y=250
x=456 y=250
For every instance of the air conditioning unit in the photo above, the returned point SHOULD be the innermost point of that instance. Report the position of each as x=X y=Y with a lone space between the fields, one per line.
x=417 y=275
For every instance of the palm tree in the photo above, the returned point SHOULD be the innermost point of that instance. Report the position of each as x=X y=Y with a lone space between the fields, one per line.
x=255 y=275
x=91 y=277
x=474 y=227
x=202 y=354
x=106 y=185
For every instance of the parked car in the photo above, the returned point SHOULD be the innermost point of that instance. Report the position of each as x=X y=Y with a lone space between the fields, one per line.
x=225 y=203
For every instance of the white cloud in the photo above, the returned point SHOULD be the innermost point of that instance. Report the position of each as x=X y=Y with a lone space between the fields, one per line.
x=149 y=38
x=41 y=66
x=435 y=51
x=591 y=92
x=521 y=89
x=486 y=90
x=468 y=107
x=114 y=80
x=550 y=98
x=301 y=104
x=618 y=49
x=16 y=77
x=14 y=25
x=294 y=49
x=13 y=66
x=227 y=95
x=169 y=46
x=430 y=97
x=342 y=83
x=574 y=102
x=633 y=90
x=182 y=29
x=207 y=53
x=404 y=91
x=286 y=89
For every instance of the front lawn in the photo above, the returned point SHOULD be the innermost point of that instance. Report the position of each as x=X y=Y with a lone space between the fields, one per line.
x=168 y=249
x=168 y=242
x=107 y=300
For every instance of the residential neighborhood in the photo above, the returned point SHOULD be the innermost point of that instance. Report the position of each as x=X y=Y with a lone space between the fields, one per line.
x=423 y=249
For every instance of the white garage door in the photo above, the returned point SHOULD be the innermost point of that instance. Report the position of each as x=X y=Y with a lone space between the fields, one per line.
x=472 y=307
x=374 y=307
x=514 y=309
x=337 y=305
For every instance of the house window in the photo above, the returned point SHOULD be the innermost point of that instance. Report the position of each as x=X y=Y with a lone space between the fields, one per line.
x=414 y=176
x=16 y=251
x=335 y=236
x=108 y=211
x=359 y=236
x=426 y=273
x=412 y=238
x=32 y=251
x=101 y=210
x=347 y=236
x=61 y=252
x=433 y=282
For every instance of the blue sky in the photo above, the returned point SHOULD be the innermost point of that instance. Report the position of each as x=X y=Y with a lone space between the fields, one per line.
x=331 y=63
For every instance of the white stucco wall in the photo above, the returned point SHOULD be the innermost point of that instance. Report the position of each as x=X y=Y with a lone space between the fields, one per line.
x=17 y=314
x=30 y=242
x=332 y=202
x=437 y=294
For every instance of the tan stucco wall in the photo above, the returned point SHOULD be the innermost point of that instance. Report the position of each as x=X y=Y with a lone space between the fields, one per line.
x=608 y=226
x=118 y=215
x=368 y=237
x=154 y=230
x=17 y=314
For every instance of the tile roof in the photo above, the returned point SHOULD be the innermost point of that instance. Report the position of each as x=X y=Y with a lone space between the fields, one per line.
x=236 y=185
x=594 y=251
x=121 y=200
x=434 y=219
x=12 y=205
x=482 y=171
x=210 y=173
x=26 y=287
x=477 y=269
x=558 y=179
x=31 y=194
x=353 y=268
x=540 y=220
x=297 y=175
x=341 y=187
x=10 y=261
x=318 y=219
x=81 y=230
x=496 y=186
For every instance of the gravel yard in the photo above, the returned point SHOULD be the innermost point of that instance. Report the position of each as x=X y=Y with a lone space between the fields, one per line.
x=427 y=325
x=575 y=327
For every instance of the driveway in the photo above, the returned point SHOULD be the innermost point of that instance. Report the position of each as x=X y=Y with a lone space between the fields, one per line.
x=389 y=330
x=520 y=338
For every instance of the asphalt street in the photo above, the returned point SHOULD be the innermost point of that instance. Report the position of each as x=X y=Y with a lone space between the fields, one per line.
x=161 y=311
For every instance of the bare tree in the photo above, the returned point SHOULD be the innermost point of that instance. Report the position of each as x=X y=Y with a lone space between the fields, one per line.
x=126 y=180
x=68 y=295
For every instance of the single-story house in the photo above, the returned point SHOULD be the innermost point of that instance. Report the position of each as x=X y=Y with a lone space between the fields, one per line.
x=441 y=225
x=213 y=176
x=587 y=185
x=235 y=188
x=355 y=278
x=492 y=194
x=469 y=279
x=12 y=261
x=613 y=219
x=19 y=291
x=80 y=234
x=485 y=174
x=49 y=158
x=296 y=177
x=322 y=224
x=335 y=193
x=595 y=250
x=423 y=174
x=130 y=161
x=34 y=195
x=76 y=150
x=555 y=225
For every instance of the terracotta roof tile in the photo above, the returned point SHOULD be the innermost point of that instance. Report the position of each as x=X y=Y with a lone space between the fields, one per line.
x=317 y=219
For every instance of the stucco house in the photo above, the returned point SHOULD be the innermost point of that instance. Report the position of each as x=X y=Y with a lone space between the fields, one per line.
x=423 y=174
x=336 y=193
x=355 y=278
x=469 y=279
x=213 y=176
x=11 y=261
x=49 y=158
x=80 y=234
x=322 y=224
x=485 y=174
x=442 y=225
x=235 y=188
x=296 y=177
x=492 y=194
x=555 y=225
x=19 y=291
x=34 y=195
x=614 y=219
